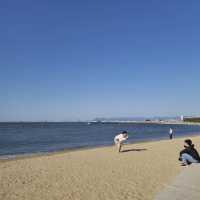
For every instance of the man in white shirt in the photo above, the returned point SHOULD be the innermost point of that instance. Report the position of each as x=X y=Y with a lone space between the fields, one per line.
x=170 y=133
x=120 y=139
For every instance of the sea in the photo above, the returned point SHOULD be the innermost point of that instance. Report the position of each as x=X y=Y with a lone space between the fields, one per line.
x=45 y=137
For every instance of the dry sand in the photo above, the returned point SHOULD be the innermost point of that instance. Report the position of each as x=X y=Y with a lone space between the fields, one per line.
x=94 y=174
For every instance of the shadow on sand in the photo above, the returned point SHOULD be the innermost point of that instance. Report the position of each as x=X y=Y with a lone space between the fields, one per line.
x=128 y=150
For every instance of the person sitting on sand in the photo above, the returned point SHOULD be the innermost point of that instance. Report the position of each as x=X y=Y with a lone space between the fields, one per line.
x=120 y=139
x=189 y=154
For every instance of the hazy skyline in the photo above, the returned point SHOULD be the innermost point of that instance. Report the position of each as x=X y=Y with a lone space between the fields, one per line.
x=78 y=60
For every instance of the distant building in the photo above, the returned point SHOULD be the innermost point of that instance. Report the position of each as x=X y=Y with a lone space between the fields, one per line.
x=182 y=118
x=191 y=119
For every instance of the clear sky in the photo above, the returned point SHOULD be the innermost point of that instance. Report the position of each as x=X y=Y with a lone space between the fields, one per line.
x=76 y=60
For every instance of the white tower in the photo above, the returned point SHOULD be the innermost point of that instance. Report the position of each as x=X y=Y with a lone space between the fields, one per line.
x=182 y=117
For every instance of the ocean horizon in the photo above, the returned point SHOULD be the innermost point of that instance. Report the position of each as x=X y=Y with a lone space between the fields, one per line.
x=18 y=138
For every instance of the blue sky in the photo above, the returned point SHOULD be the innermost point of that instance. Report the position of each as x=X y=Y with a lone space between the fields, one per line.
x=77 y=60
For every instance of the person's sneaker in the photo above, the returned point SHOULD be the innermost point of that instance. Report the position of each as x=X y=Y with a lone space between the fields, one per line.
x=188 y=162
x=183 y=164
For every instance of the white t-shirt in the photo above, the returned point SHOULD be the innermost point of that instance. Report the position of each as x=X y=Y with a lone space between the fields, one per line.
x=120 y=138
x=170 y=131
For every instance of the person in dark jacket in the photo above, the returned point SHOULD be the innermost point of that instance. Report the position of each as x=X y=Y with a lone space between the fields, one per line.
x=189 y=154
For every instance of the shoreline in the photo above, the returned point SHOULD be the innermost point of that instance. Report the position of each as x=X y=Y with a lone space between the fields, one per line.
x=139 y=172
x=13 y=157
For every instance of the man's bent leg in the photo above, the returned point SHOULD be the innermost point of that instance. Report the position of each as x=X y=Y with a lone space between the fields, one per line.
x=186 y=158
x=119 y=146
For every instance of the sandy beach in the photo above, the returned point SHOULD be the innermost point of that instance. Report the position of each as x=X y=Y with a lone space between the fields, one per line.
x=138 y=173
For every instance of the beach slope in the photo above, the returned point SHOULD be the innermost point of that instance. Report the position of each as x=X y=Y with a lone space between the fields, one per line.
x=139 y=173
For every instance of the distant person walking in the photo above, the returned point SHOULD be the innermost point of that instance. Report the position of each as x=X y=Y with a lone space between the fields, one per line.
x=171 y=133
x=120 y=139
x=189 y=154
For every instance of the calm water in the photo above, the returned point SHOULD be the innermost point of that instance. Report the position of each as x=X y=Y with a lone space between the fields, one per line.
x=28 y=138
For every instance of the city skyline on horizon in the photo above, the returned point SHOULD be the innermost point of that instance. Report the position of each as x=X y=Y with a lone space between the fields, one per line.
x=125 y=118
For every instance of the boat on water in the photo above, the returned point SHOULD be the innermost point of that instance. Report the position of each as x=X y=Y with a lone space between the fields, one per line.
x=95 y=122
